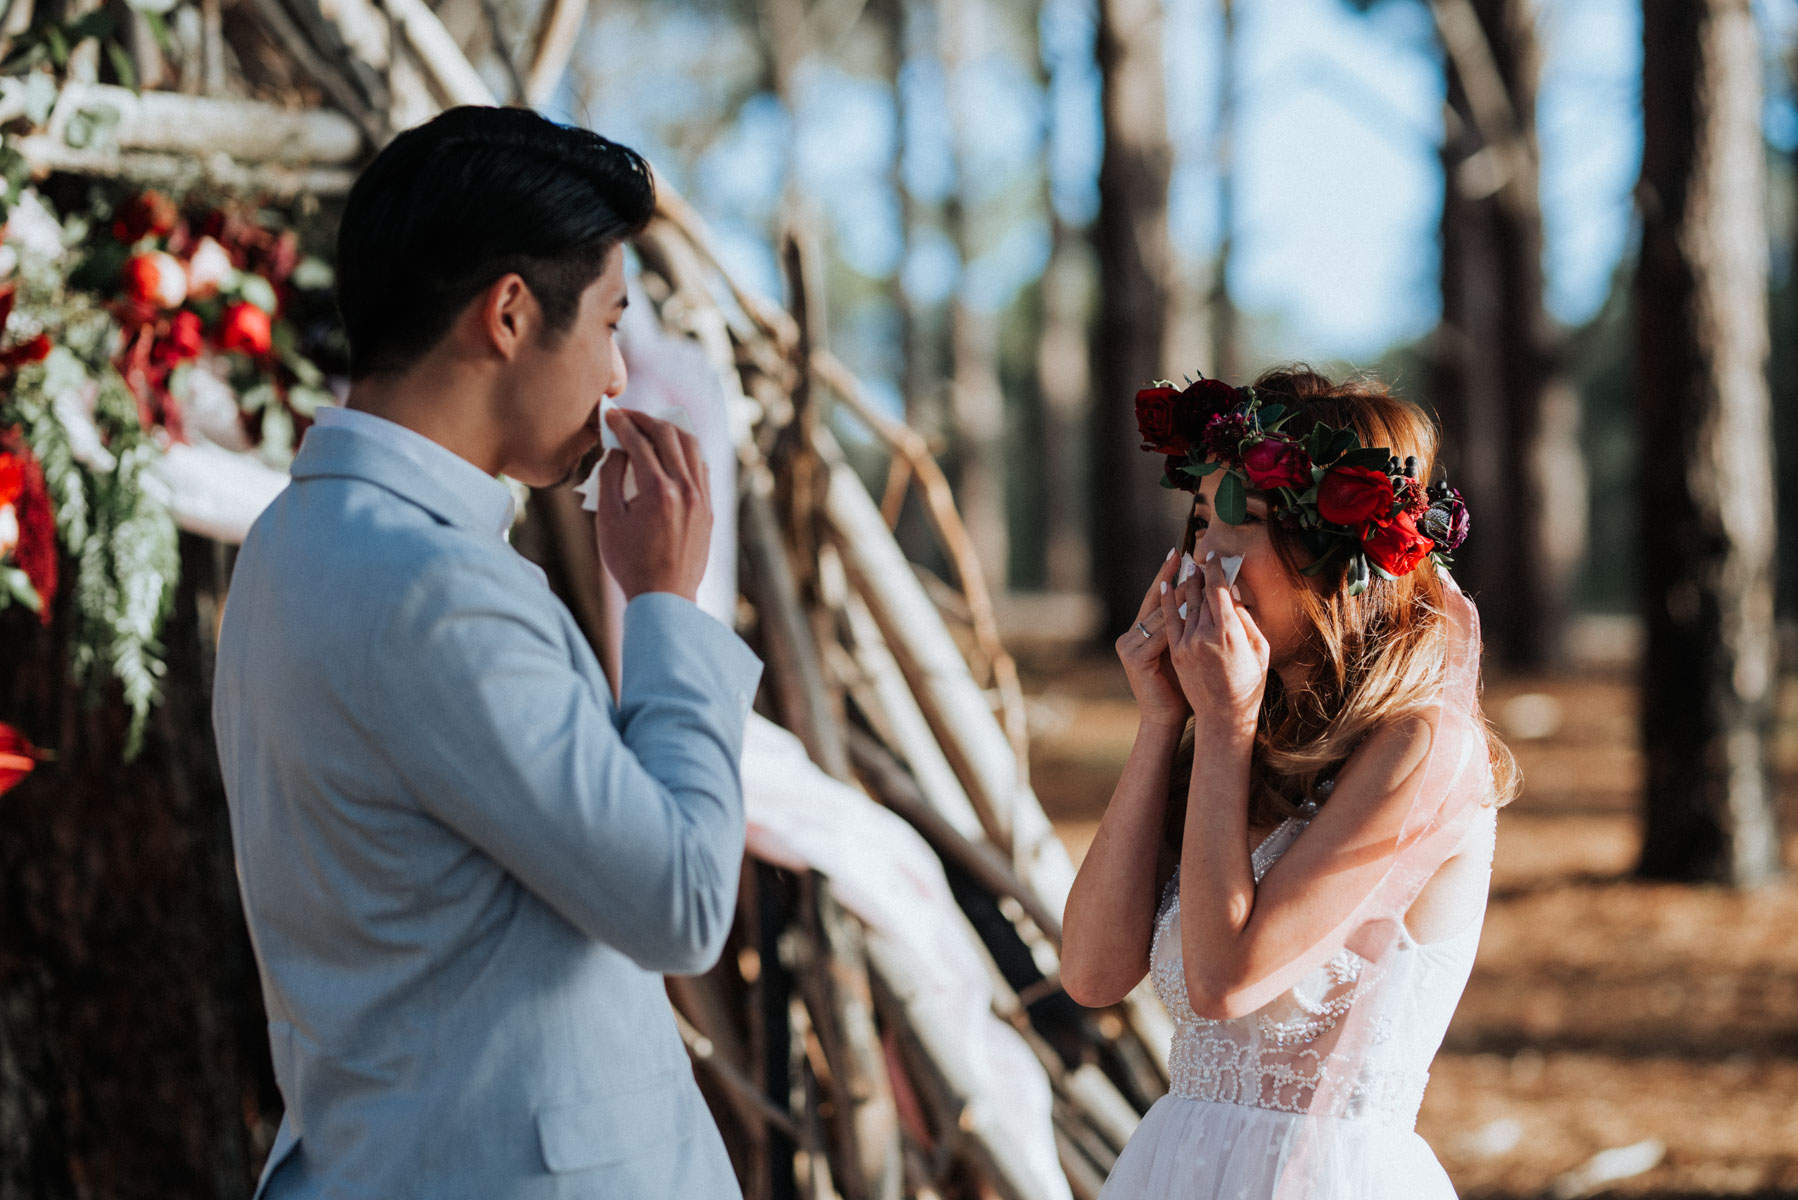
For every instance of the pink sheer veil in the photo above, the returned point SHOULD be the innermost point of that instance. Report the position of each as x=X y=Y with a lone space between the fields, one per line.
x=1446 y=792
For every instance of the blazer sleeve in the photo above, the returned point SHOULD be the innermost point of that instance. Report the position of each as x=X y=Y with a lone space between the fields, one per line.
x=633 y=831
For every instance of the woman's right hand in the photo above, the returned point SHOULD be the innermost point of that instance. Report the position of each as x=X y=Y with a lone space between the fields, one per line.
x=1159 y=699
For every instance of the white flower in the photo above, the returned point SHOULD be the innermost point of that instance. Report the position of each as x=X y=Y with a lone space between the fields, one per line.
x=9 y=529
x=208 y=267
x=74 y=407
x=208 y=405
x=33 y=229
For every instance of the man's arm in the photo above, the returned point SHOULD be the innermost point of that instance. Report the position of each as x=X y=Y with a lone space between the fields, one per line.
x=634 y=832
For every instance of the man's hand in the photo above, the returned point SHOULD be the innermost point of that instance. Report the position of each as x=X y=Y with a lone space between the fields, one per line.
x=656 y=542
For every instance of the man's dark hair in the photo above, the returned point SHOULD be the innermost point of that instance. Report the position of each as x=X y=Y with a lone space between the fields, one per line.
x=449 y=207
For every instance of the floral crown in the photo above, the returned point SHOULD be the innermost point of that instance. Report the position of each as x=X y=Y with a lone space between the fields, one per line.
x=1341 y=498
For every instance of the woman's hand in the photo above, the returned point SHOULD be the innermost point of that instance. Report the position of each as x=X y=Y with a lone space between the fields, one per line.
x=1218 y=652
x=1159 y=700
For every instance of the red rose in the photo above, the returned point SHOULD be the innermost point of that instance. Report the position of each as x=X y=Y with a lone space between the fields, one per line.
x=183 y=341
x=148 y=214
x=1275 y=462
x=246 y=328
x=12 y=479
x=36 y=552
x=1396 y=547
x=155 y=280
x=18 y=758
x=1353 y=496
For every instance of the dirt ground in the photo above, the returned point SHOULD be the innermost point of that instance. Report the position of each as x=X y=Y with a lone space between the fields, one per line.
x=1605 y=1014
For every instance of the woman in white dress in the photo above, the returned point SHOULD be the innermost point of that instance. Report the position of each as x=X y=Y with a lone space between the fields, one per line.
x=1298 y=851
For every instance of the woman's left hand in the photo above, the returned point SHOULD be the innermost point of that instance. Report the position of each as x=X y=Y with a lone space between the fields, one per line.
x=1217 y=650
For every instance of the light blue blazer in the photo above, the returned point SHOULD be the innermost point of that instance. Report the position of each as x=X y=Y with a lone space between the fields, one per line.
x=465 y=872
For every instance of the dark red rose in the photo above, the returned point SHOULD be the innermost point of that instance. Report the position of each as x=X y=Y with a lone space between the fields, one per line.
x=184 y=340
x=1211 y=396
x=148 y=214
x=246 y=329
x=1155 y=408
x=1276 y=462
x=1396 y=547
x=1177 y=477
x=1353 y=496
x=36 y=350
x=36 y=553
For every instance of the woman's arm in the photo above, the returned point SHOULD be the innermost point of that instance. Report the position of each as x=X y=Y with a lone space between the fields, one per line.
x=1110 y=914
x=1107 y=925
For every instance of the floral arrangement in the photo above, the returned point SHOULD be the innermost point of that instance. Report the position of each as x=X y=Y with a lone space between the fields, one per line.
x=126 y=328
x=1344 y=500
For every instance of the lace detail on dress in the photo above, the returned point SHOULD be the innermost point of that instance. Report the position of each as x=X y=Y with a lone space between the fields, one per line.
x=1266 y=1059
x=1210 y=1063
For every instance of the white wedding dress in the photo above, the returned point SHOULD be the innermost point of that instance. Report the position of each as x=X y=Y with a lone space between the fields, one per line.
x=1236 y=1113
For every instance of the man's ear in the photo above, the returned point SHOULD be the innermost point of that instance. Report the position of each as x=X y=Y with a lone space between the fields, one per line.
x=507 y=315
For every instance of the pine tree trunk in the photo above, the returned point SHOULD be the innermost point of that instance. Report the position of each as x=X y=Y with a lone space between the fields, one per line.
x=976 y=398
x=1707 y=475
x=133 y=1052
x=1511 y=420
x=1134 y=519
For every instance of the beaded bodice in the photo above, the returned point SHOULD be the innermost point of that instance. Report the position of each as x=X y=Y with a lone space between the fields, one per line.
x=1277 y=1057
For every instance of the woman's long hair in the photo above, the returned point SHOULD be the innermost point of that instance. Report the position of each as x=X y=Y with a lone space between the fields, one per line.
x=1372 y=658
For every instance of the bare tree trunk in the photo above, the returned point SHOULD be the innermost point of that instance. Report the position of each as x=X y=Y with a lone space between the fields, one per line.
x=1226 y=362
x=1134 y=519
x=1064 y=372
x=976 y=400
x=1709 y=810
x=133 y=1050
x=1511 y=419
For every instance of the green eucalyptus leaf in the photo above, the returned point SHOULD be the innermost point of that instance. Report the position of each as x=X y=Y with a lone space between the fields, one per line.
x=15 y=587
x=1202 y=468
x=122 y=66
x=258 y=291
x=313 y=275
x=1273 y=412
x=1232 y=502
x=1342 y=441
x=1374 y=458
x=257 y=398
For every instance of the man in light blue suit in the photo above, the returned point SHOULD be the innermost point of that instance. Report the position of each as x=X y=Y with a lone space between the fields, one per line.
x=465 y=869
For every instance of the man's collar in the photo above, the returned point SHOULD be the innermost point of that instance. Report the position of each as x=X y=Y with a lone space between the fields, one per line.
x=351 y=444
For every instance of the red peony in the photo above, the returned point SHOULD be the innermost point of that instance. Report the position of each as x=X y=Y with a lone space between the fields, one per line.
x=18 y=758
x=246 y=329
x=1353 y=496
x=155 y=280
x=36 y=552
x=184 y=340
x=1396 y=547
x=148 y=214
x=1277 y=462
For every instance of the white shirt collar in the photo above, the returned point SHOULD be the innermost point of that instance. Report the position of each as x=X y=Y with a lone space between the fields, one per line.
x=488 y=495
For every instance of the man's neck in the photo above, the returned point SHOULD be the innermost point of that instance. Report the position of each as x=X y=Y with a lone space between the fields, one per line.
x=437 y=404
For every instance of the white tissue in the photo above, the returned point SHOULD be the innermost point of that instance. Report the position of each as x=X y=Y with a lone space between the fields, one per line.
x=1231 y=563
x=588 y=489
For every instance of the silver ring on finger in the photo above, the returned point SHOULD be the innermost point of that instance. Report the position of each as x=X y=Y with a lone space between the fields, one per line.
x=1144 y=630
